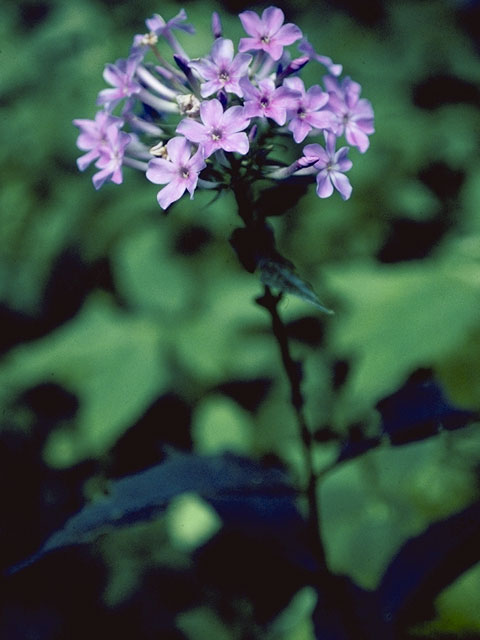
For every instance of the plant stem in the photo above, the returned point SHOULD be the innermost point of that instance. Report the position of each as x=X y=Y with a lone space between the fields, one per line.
x=293 y=369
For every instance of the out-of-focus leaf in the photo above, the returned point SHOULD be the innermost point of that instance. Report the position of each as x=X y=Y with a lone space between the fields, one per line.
x=148 y=275
x=142 y=495
x=110 y=359
x=280 y=276
x=419 y=410
x=427 y=564
x=396 y=319
x=220 y=425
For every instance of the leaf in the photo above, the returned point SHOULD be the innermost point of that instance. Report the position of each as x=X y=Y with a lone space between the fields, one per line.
x=396 y=319
x=218 y=479
x=425 y=565
x=281 y=276
x=419 y=410
x=110 y=359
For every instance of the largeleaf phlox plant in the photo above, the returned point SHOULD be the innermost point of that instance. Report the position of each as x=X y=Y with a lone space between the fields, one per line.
x=182 y=121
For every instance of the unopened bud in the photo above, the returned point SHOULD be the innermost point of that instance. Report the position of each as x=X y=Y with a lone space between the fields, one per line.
x=216 y=25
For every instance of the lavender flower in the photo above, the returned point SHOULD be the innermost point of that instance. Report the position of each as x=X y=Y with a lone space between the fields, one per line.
x=308 y=113
x=222 y=70
x=178 y=171
x=268 y=33
x=111 y=157
x=249 y=97
x=93 y=136
x=267 y=101
x=120 y=76
x=331 y=165
x=218 y=129
x=354 y=115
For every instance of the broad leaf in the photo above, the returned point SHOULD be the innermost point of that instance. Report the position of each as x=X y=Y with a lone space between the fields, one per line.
x=222 y=480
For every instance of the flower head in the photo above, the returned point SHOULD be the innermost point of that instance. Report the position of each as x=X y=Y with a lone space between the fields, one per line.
x=331 y=166
x=179 y=171
x=222 y=70
x=268 y=33
x=218 y=130
x=308 y=112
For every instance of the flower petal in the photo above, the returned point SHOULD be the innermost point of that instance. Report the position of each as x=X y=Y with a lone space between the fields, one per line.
x=288 y=34
x=160 y=171
x=211 y=112
x=178 y=150
x=236 y=142
x=252 y=24
x=324 y=186
x=222 y=52
x=172 y=192
x=272 y=19
x=192 y=130
x=341 y=184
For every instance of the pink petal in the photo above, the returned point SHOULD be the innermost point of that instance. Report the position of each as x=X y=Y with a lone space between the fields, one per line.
x=234 y=120
x=247 y=44
x=222 y=52
x=192 y=130
x=236 y=142
x=160 y=171
x=272 y=19
x=341 y=184
x=211 y=112
x=178 y=150
x=172 y=192
x=288 y=34
x=324 y=186
x=252 y=24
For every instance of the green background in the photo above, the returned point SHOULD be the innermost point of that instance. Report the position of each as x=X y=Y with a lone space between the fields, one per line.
x=108 y=306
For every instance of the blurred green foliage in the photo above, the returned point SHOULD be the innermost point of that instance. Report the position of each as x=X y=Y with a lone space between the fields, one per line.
x=104 y=296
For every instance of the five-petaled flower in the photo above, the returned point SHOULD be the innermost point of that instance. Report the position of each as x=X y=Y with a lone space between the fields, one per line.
x=222 y=70
x=218 y=130
x=179 y=171
x=93 y=136
x=268 y=33
x=111 y=157
x=354 y=114
x=308 y=113
x=331 y=166
x=121 y=76
x=266 y=100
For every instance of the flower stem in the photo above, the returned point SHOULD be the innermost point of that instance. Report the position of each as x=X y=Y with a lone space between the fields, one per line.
x=293 y=370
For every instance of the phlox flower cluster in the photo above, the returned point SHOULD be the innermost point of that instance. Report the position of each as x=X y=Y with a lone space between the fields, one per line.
x=179 y=119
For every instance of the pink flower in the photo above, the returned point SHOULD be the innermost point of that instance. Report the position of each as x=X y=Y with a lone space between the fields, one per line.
x=93 y=136
x=121 y=76
x=218 y=129
x=222 y=70
x=179 y=171
x=268 y=32
x=331 y=165
x=111 y=157
x=268 y=101
x=308 y=113
x=354 y=115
